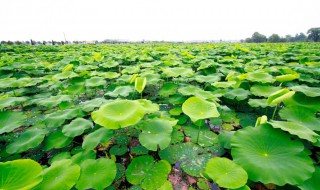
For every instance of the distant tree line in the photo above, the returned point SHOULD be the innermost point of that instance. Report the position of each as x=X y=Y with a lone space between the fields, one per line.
x=313 y=36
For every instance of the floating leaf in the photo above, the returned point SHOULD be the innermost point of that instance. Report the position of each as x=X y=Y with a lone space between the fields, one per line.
x=95 y=81
x=57 y=118
x=119 y=114
x=197 y=108
x=76 y=127
x=226 y=173
x=287 y=77
x=258 y=103
x=93 y=174
x=11 y=101
x=54 y=100
x=21 y=174
x=168 y=89
x=178 y=71
x=61 y=175
x=206 y=137
x=270 y=156
x=156 y=132
x=10 y=121
x=313 y=182
x=56 y=140
x=144 y=171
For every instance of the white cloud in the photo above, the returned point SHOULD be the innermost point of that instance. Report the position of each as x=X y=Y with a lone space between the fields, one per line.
x=153 y=19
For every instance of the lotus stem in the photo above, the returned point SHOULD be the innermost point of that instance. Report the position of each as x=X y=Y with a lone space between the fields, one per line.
x=198 y=133
x=274 y=112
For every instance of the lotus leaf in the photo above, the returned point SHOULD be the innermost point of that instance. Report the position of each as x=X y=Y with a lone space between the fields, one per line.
x=123 y=91
x=238 y=94
x=92 y=140
x=149 y=174
x=56 y=140
x=119 y=114
x=93 y=174
x=206 y=137
x=308 y=91
x=168 y=89
x=140 y=84
x=95 y=81
x=270 y=156
x=82 y=156
x=29 y=139
x=300 y=116
x=178 y=71
x=21 y=174
x=259 y=76
x=313 y=182
x=197 y=108
x=56 y=119
x=61 y=175
x=76 y=127
x=89 y=105
x=10 y=121
x=296 y=129
x=156 y=132
x=287 y=77
x=279 y=96
x=11 y=101
x=191 y=157
x=263 y=90
x=54 y=100
x=226 y=173
x=302 y=101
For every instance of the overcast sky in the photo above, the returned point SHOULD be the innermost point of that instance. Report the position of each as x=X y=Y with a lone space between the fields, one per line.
x=154 y=19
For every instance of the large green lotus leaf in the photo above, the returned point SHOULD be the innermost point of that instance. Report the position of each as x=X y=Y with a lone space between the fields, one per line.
x=238 y=94
x=92 y=140
x=29 y=139
x=301 y=116
x=119 y=114
x=270 y=156
x=263 y=90
x=54 y=100
x=10 y=121
x=156 y=132
x=56 y=140
x=279 y=96
x=22 y=174
x=61 y=175
x=148 y=106
x=11 y=101
x=206 y=137
x=197 y=108
x=226 y=173
x=168 y=89
x=224 y=84
x=302 y=101
x=209 y=78
x=153 y=79
x=76 y=127
x=95 y=81
x=131 y=69
x=196 y=91
x=96 y=174
x=258 y=103
x=259 y=76
x=140 y=84
x=296 y=129
x=313 y=183
x=192 y=157
x=57 y=118
x=25 y=82
x=89 y=105
x=178 y=71
x=308 y=91
x=123 y=91
x=82 y=68
x=144 y=171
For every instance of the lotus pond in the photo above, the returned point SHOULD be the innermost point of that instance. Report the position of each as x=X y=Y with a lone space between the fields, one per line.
x=160 y=116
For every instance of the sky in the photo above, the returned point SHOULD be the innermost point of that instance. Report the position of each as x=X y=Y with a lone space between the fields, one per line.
x=169 y=20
